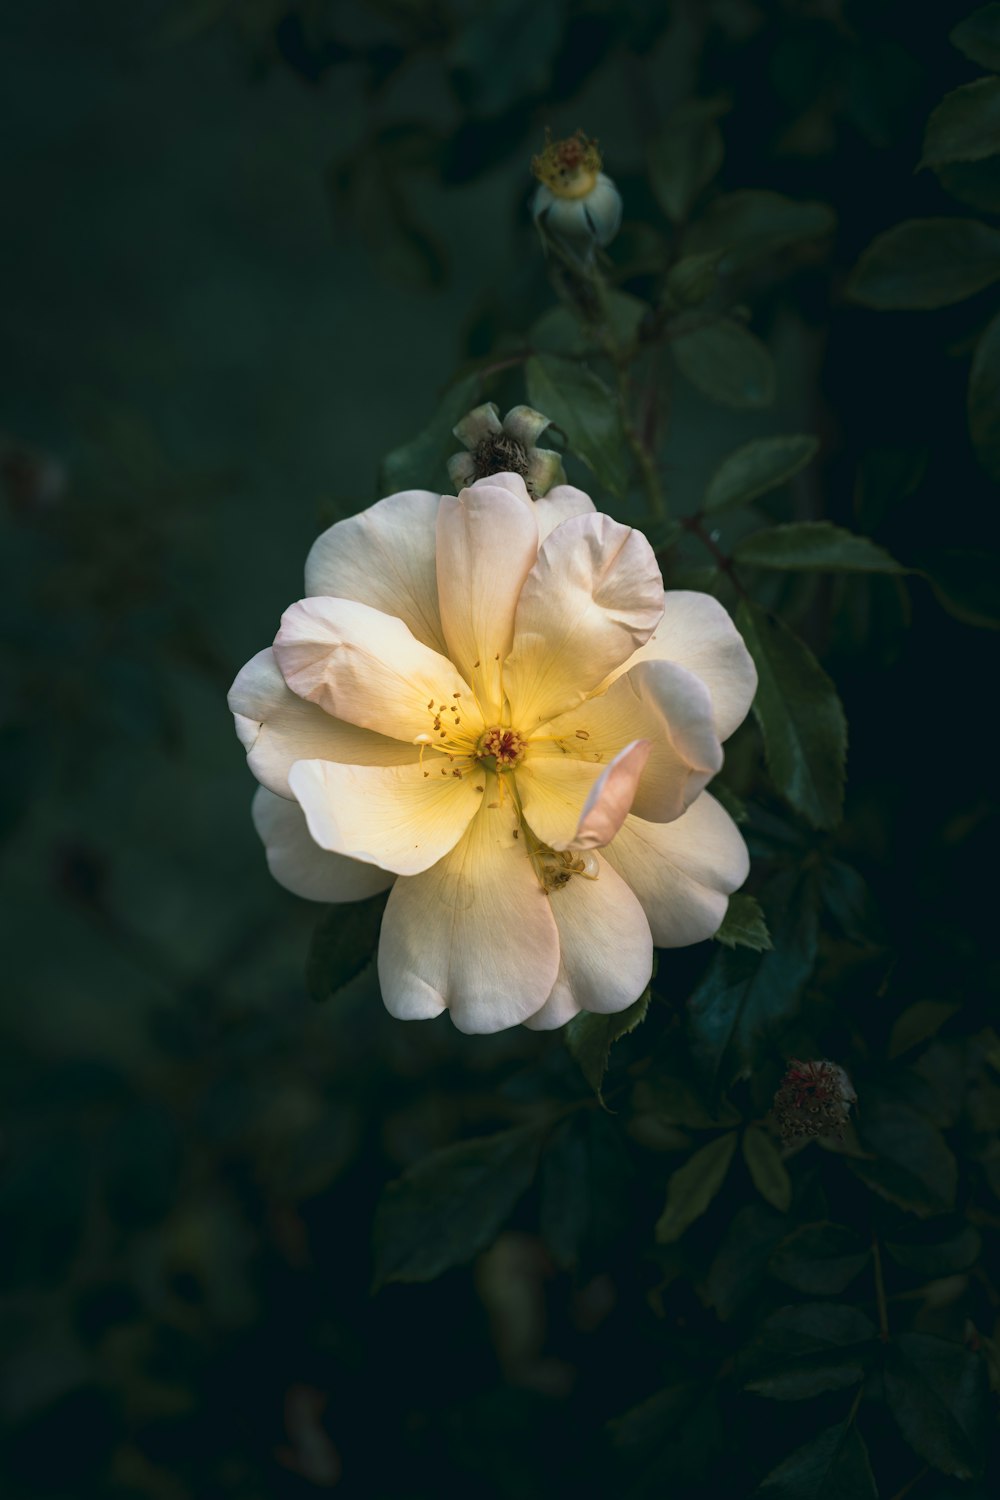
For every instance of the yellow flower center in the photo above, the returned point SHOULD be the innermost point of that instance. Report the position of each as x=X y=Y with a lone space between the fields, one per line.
x=504 y=746
x=568 y=168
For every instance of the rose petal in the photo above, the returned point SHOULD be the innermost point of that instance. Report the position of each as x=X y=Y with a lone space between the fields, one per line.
x=402 y=818
x=278 y=728
x=682 y=872
x=474 y=934
x=593 y=596
x=385 y=558
x=570 y=804
x=367 y=668
x=561 y=503
x=487 y=541
x=697 y=633
x=298 y=863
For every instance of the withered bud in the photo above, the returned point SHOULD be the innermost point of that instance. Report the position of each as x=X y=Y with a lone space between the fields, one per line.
x=813 y=1099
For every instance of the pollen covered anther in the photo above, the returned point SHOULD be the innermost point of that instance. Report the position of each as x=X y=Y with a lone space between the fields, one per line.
x=504 y=746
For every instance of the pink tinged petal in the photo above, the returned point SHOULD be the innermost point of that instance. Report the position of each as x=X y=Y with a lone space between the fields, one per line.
x=368 y=668
x=658 y=701
x=594 y=595
x=697 y=633
x=562 y=503
x=560 y=1007
x=605 y=945
x=278 y=728
x=487 y=541
x=385 y=558
x=573 y=804
x=682 y=872
x=402 y=818
x=474 y=934
x=298 y=863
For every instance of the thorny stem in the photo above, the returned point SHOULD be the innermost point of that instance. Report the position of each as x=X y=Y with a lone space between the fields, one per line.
x=883 y=1308
x=723 y=561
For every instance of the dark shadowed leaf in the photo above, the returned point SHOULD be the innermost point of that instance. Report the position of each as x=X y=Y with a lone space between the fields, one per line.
x=584 y=1180
x=927 y=1251
x=805 y=545
x=693 y=1186
x=420 y=463
x=727 y=363
x=978 y=36
x=966 y=124
x=799 y=1352
x=343 y=942
x=769 y=1173
x=912 y=1166
x=744 y=925
x=590 y=1038
x=800 y=716
x=937 y=1393
x=755 y=469
x=578 y=402
x=745 y=998
x=976 y=183
x=984 y=400
x=926 y=263
x=738 y=1270
x=819 y=1259
x=671 y=1438
x=685 y=155
x=918 y=1023
x=965 y=582
x=693 y=279
x=833 y=1466
x=847 y=899
x=452 y=1204
x=677 y=1101
x=750 y=225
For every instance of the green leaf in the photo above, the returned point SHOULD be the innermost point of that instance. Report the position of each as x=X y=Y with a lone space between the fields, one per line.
x=799 y=1352
x=976 y=183
x=918 y=1023
x=800 y=717
x=833 y=1466
x=807 y=545
x=420 y=463
x=751 y=225
x=926 y=263
x=819 y=1259
x=685 y=155
x=671 y=1438
x=584 y=1183
x=745 y=998
x=937 y=1393
x=984 y=400
x=451 y=1204
x=965 y=584
x=343 y=942
x=727 y=363
x=693 y=279
x=925 y=1253
x=912 y=1166
x=978 y=36
x=847 y=899
x=675 y=1101
x=768 y=1171
x=693 y=1186
x=965 y=126
x=744 y=925
x=755 y=469
x=590 y=1037
x=580 y=404
x=737 y=1272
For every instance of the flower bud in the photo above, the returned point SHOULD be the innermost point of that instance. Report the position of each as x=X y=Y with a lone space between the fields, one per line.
x=506 y=447
x=814 y=1098
x=575 y=204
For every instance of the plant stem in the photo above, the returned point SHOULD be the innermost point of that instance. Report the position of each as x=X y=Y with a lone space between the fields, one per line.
x=883 y=1308
x=723 y=561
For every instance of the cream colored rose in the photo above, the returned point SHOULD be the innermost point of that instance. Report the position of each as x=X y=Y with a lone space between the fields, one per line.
x=490 y=705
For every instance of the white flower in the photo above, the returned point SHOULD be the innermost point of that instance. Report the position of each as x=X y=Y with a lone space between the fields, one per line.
x=575 y=203
x=490 y=705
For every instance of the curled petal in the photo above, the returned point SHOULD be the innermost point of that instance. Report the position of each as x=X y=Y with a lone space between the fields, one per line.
x=682 y=872
x=571 y=804
x=525 y=425
x=402 y=818
x=298 y=863
x=278 y=728
x=461 y=470
x=385 y=558
x=481 y=423
x=367 y=668
x=475 y=934
x=561 y=503
x=697 y=633
x=593 y=596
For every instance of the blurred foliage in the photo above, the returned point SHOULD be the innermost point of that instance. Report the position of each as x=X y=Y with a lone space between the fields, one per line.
x=598 y=1267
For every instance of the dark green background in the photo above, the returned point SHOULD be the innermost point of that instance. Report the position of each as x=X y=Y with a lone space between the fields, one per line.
x=207 y=352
